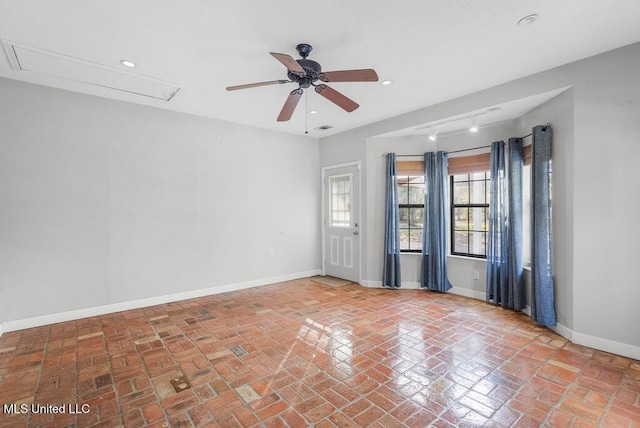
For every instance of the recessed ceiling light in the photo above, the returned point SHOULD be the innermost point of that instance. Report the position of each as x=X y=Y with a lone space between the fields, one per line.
x=128 y=63
x=313 y=112
x=386 y=82
x=528 y=20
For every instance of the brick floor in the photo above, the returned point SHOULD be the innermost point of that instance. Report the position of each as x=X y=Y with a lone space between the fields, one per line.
x=300 y=353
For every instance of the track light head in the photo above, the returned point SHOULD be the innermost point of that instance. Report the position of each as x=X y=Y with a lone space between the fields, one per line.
x=474 y=125
x=433 y=132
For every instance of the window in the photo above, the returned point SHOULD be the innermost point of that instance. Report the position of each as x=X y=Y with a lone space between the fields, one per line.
x=470 y=214
x=411 y=210
x=340 y=202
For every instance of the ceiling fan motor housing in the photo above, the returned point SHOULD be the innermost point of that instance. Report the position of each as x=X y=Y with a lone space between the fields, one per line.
x=312 y=69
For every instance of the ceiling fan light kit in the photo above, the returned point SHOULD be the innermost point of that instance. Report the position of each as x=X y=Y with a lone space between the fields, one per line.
x=306 y=73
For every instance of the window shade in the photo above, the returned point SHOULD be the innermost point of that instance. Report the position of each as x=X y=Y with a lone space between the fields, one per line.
x=410 y=168
x=469 y=164
x=459 y=165
x=526 y=154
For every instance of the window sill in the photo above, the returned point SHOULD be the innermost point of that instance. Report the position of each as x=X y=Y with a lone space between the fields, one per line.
x=475 y=259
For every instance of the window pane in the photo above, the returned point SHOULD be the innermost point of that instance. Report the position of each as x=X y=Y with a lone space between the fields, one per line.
x=461 y=193
x=461 y=177
x=478 y=192
x=416 y=217
x=461 y=216
x=415 y=239
x=478 y=176
x=478 y=243
x=404 y=217
x=403 y=194
x=478 y=219
x=461 y=242
x=404 y=239
x=416 y=194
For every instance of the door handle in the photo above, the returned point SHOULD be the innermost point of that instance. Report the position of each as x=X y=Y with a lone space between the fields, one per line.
x=355 y=232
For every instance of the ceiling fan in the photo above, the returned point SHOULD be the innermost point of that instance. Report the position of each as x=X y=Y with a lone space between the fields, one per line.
x=306 y=73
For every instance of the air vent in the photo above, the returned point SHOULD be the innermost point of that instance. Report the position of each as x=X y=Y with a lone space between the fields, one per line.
x=40 y=62
x=323 y=127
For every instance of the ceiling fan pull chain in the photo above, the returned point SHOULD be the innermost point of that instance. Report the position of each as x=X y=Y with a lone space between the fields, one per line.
x=306 y=112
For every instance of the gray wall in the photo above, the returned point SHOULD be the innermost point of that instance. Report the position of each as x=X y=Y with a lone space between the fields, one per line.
x=106 y=202
x=595 y=188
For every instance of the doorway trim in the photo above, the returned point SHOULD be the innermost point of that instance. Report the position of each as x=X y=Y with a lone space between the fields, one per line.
x=323 y=180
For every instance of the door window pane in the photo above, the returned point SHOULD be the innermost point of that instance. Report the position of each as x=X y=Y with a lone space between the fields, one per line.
x=340 y=201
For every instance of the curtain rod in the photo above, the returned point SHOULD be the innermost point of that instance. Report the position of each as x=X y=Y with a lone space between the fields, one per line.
x=456 y=151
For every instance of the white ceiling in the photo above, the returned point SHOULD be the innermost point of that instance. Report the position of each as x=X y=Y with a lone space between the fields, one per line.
x=432 y=50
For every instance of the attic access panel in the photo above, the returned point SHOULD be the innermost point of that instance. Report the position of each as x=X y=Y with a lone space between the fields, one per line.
x=42 y=62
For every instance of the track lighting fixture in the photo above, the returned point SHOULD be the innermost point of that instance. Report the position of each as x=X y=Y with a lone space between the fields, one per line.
x=433 y=134
x=474 y=126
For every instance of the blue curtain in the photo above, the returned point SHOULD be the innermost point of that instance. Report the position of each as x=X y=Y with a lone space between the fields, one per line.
x=505 y=283
x=542 y=291
x=434 y=239
x=497 y=246
x=391 y=267
x=516 y=298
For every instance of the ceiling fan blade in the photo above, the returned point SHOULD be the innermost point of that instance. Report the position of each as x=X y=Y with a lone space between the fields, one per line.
x=365 y=75
x=255 y=85
x=290 y=105
x=337 y=98
x=288 y=62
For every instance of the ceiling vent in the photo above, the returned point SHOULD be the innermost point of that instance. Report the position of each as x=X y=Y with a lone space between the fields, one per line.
x=323 y=127
x=41 y=62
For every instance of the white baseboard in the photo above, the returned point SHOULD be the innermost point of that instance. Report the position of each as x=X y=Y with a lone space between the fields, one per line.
x=371 y=284
x=378 y=284
x=561 y=329
x=142 y=303
x=468 y=293
x=606 y=345
x=416 y=286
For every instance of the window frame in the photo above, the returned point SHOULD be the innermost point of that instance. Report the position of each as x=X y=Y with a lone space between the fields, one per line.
x=452 y=222
x=410 y=206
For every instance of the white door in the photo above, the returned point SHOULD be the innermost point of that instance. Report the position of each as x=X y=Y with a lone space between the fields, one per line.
x=341 y=218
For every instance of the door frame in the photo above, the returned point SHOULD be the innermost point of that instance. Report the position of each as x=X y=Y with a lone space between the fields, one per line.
x=325 y=169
